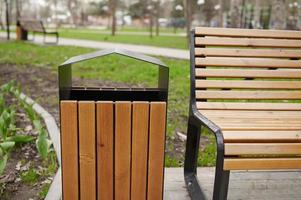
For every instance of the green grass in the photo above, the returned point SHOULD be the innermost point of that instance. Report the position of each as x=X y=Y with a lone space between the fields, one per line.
x=178 y=42
x=114 y=68
x=30 y=176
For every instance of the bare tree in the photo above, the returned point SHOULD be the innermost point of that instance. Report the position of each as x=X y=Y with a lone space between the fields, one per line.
x=188 y=15
x=113 y=16
x=257 y=13
x=278 y=15
x=73 y=9
x=221 y=13
x=236 y=13
x=7 y=18
x=299 y=15
x=157 y=10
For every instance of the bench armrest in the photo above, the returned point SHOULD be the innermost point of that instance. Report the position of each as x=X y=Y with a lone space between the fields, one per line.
x=201 y=120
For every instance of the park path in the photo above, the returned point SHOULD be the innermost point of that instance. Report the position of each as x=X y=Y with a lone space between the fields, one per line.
x=150 y=50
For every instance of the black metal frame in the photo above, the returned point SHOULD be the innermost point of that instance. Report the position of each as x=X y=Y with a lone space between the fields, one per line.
x=195 y=123
x=68 y=92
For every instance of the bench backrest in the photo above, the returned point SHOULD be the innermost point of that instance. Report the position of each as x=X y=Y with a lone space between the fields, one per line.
x=245 y=65
x=32 y=25
x=112 y=149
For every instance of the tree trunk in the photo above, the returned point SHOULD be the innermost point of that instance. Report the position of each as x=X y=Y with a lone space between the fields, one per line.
x=278 y=15
x=7 y=19
x=236 y=13
x=221 y=13
x=299 y=16
x=188 y=15
x=113 y=17
x=157 y=17
x=257 y=13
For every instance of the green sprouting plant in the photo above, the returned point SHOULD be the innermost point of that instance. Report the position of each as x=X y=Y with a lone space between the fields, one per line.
x=43 y=144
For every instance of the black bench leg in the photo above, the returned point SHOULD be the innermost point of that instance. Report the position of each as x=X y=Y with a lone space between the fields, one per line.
x=221 y=181
x=190 y=165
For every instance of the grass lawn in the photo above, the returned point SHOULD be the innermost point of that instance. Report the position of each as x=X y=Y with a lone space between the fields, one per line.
x=118 y=69
x=178 y=42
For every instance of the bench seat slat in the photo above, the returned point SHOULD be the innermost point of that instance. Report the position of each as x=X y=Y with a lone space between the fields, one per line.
x=262 y=136
x=229 y=120
x=262 y=148
x=261 y=163
x=252 y=114
x=260 y=53
x=248 y=84
x=248 y=62
x=247 y=106
x=234 y=32
x=246 y=42
x=246 y=73
x=271 y=95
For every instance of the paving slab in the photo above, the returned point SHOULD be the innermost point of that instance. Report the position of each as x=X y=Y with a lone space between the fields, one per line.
x=244 y=185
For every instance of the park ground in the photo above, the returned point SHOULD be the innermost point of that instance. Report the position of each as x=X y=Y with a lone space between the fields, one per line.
x=35 y=68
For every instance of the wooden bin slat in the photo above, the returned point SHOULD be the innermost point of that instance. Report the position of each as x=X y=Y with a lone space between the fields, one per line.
x=156 y=150
x=87 y=155
x=122 y=150
x=140 y=122
x=69 y=145
x=105 y=137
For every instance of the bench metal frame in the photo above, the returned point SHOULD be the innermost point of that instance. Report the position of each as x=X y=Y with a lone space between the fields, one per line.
x=196 y=122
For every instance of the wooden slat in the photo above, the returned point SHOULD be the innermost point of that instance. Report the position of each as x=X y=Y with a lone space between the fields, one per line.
x=105 y=150
x=211 y=94
x=122 y=150
x=247 y=106
x=261 y=163
x=69 y=147
x=87 y=149
x=252 y=114
x=240 y=73
x=238 y=84
x=234 y=32
x=139 y=150
x=262 y=148
x=247 y=42
x=260 y=53
x=156 y=150
x=262 y=136
x=247 y=62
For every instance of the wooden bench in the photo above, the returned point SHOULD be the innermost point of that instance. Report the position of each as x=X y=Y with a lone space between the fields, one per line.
x=246 y=89
x=36 y=26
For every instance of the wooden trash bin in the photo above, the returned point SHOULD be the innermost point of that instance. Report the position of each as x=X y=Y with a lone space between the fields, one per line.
x=112 y=139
